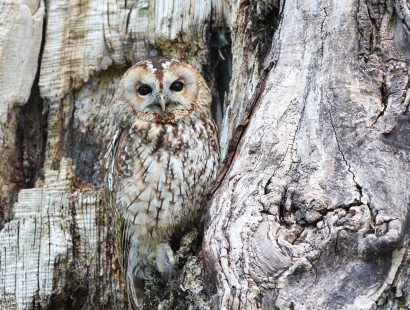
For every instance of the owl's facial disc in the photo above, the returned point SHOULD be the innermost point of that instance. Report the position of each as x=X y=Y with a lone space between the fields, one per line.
x=168 y=89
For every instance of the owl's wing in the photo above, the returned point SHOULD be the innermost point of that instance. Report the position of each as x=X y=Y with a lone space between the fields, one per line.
x=120 y=227
x=135 y=285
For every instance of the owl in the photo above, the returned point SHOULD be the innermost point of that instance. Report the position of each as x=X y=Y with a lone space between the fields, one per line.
x=160 y=163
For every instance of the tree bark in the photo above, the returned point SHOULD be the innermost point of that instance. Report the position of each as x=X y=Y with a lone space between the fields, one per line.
x=311 y=207
x=56 y=243
x=313 y=212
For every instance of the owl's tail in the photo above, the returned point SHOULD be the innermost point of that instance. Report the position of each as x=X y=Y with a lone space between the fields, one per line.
x=135 y=289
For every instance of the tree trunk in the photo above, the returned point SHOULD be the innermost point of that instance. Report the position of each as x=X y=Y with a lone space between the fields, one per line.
x=313 y=211
x=311 y=207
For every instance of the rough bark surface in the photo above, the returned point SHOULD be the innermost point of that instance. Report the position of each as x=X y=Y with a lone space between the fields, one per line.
x=313 y=212
x=311 y=207
x=60 y=65
x=21 y=27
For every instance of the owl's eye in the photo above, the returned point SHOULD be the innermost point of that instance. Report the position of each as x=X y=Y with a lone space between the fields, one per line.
x=144 y=90
x=177 y=86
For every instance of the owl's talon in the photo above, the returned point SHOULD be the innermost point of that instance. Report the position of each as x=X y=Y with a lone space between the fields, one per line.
x=165 y=259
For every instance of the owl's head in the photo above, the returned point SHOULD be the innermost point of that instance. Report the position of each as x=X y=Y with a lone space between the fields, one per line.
x=163 y=90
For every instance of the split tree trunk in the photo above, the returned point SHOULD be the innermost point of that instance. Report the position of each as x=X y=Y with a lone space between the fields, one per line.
x=311 y=207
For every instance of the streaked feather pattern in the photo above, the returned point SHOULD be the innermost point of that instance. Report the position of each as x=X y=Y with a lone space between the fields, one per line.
x=159 y=166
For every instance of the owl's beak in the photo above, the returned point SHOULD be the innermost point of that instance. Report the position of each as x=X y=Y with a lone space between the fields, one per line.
x=163 y=103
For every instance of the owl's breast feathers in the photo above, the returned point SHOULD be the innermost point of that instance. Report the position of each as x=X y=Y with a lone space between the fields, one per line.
x=160 y=172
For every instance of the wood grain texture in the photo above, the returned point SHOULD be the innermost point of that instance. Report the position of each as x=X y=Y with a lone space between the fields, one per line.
x=21 y=26
x=309 y=215
x=56 y=247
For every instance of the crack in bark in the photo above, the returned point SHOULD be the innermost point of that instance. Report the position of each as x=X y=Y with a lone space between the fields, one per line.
x=384 y=96
x=360 y=29
x=349 y=168
x=253 y=103
x=284 y=197
x=401 y=266
x=282 y=209
x=237 y=136
x=281 y=206
x=322 y=35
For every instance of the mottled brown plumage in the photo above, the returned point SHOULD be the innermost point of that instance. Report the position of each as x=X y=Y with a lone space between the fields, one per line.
x=160 y=163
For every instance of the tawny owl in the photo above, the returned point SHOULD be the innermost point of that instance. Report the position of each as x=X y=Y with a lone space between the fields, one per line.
x=160 y=163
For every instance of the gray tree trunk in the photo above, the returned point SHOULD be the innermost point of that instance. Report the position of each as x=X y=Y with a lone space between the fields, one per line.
x=311 y=207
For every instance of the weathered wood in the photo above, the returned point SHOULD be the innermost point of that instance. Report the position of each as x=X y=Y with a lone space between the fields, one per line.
x=21 y=27
x=56 y=246
x=57 y=249
x=313 y=212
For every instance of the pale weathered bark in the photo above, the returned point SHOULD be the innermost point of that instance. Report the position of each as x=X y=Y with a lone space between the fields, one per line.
x=56 y=248
x=311 y=207
x=21 y=28
x=313 y=212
